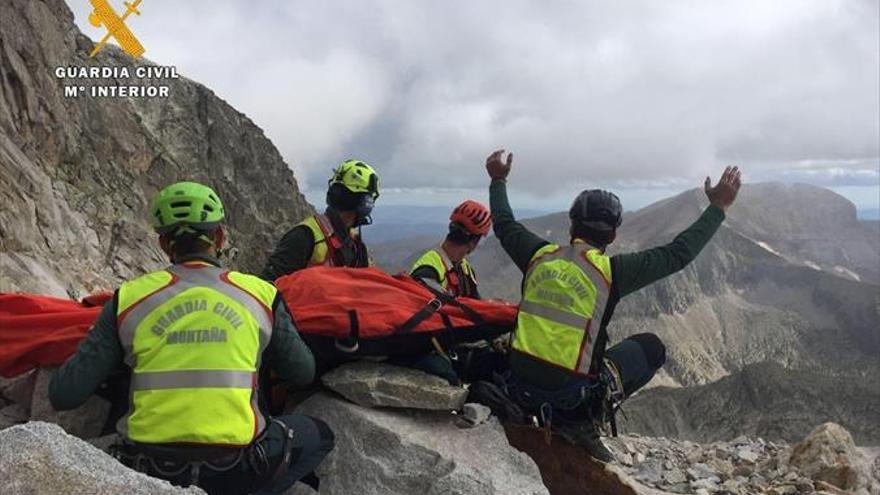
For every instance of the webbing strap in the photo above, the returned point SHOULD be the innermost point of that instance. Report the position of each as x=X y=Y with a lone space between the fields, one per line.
x=421 y=315
x=351 y=343
x=467 y=310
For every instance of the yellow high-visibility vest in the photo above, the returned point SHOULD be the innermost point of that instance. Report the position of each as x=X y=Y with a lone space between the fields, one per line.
x=438 y=260
x=565 y=294
x=194 y=335
x=323 y=254
x=326 y=242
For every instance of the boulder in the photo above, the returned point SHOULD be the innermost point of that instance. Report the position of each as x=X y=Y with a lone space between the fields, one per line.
x=11 y=415
x=373 y=384
x=473 y=414
x=828 y=454
x=40 y=457
x=105 y=442
x=20 y=389
x=86 y=421
x=387 y=451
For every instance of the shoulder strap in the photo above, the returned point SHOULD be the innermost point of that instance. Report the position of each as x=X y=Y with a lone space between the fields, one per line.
x=334 y=244
x=448 y=266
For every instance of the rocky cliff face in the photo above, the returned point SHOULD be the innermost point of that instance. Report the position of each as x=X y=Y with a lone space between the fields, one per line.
x=77 y=174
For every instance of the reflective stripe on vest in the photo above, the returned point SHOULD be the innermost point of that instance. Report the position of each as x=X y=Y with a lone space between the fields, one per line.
x=565 y=293
x=323 y=253
x=194 y=337
x=438 y=260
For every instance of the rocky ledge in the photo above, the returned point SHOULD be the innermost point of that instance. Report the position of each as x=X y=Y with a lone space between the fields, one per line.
x=399 y=431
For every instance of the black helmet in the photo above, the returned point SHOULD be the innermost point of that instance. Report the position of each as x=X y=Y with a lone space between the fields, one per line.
x=596 y=209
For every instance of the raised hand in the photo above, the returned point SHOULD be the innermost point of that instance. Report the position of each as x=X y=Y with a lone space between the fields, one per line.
x=724 y=193
x=497 y=167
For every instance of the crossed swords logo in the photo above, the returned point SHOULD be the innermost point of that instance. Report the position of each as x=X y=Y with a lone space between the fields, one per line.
x=104 y=14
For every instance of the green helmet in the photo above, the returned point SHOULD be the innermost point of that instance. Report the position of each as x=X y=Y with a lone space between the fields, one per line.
x=187 y=204
x=357 y=177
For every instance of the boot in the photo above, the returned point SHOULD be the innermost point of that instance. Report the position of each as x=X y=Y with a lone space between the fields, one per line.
x=586 y=435
x=491 y=395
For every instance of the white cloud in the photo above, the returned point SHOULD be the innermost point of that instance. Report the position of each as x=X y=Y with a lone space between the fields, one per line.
x=635 y=94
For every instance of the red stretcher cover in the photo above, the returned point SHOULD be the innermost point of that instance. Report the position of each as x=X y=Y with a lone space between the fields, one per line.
x=367 y=310
x=42 y=330
x=322 y=299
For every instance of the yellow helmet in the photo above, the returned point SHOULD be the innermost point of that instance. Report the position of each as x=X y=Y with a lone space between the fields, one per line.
x=357 y=177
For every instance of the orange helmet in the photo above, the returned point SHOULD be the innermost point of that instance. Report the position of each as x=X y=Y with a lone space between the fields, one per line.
x=473 y=216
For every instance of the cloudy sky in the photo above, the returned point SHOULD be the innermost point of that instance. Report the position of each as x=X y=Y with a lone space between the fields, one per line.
x=643 y=97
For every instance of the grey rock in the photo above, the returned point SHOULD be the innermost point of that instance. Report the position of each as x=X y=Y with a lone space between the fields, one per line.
x=695 y=455
x=474 y=414
x=875 y=468
x=372 y=384
x=650 y=472
x=392 y=451
x=828 y=454
x=86 y=421
x=747 y=455
x=783 y=490
x=675 y=476
x=678 y=488
x=628 y=446
x=42 y=458
x=758 y=480
x=740 y=440
x=12 y=415
x=705 y=484
x=20 y=389
x=700 y=471
x=804 y=485
x=722 y=467
x=733 y=486
x=104 y=442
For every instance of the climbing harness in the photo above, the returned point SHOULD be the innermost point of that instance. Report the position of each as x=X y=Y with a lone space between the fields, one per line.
x=186 y=464
x=596 y=400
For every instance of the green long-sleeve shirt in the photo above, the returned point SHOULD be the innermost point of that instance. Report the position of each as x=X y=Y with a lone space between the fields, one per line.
x=629 y=272
x=101 y=354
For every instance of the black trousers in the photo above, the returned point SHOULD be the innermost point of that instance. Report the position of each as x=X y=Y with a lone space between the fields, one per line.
x=312 y=441
x=638 y=358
